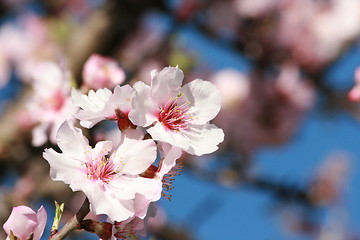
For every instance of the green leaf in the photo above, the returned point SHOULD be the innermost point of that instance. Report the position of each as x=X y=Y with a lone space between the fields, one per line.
x=58 y=213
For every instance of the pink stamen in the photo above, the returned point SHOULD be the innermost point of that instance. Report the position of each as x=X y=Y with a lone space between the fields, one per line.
x=173 y=116
x=100 y=168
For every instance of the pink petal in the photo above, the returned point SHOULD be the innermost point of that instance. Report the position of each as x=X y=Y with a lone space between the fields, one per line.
x=22 y=222
x=171 y=154
x=41 y=223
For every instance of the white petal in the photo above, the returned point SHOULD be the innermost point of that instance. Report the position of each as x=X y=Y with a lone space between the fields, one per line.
x=205 y=100
x=141 y=206
x=171 y=154
x=95 y=106
x=143 y=110
x=102 y=202
x=204 y=139
x=135 y=155
x=64 y=168
x=166 y=84
x=148 y=187
x=102 y=148
x=122 y=98
x=175 y=138
x=71 y=140
x=94 y=101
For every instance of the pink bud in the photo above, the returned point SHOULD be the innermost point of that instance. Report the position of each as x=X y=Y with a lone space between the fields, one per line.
x=102 y=72
x=23 y=221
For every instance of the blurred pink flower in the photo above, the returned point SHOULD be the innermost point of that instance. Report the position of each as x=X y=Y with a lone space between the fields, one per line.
x=106 y=181
x=316 y=31
x=50 y=104
x=23 y=221
x=270 y=113
x=40 y=45
x=233 y=85
x=102 y=72
x=178 y=115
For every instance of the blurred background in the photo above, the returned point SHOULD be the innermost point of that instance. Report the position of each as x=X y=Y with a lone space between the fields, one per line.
x=289 y=166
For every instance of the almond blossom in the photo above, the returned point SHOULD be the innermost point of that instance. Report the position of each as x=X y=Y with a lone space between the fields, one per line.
x=106 y=181
x=178 y=115
x=161 y=178
x=23 y=222
x=50 y=104
x=102 y=72
x=103 y=104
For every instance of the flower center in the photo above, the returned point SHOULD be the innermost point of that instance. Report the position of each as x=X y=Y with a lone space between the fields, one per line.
x=174 y=115
x=53 y=102
x=100 y=168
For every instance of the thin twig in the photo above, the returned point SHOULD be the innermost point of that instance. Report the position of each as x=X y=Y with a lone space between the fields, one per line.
x=73 y=223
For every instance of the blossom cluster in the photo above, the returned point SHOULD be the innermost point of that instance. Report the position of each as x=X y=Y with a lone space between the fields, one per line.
x=121 y=177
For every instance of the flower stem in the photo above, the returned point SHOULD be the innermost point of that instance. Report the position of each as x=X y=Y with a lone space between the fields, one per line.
x=73 y=223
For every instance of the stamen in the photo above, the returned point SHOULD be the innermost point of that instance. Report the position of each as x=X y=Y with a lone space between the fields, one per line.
x=173 y=116
x=100 y=168
x=169 y=178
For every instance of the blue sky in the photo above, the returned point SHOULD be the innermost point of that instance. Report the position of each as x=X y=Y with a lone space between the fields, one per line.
x=242 y=213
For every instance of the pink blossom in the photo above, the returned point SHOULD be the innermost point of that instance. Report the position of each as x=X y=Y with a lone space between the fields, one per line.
x=106 y=181
x=50 y=104
x=161 y=178
x=23 y=221
x=316 y=31
x=103 y=104
x=178 y=115
x=161 y=175
x=271 y=111
x=233 y=85
x=102 y=72
x=39 y=44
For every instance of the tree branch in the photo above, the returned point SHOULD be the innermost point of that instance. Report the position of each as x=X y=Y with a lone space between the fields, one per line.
x=74 y=223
